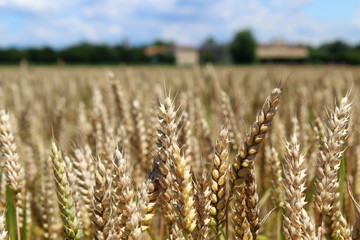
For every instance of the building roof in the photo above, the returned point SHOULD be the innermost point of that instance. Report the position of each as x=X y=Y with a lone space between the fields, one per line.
x=155 y=50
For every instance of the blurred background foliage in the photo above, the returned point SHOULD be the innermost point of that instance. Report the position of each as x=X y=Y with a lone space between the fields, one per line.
x=242 y=50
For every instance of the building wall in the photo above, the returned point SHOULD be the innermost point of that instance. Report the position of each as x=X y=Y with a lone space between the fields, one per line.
x=186 y=56
x=281 y=52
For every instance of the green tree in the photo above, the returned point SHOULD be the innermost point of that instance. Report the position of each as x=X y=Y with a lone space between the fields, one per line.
x=41 y=55
x=243 y=47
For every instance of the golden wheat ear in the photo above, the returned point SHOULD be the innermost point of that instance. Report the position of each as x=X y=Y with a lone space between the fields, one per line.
x=14 y=170
x=219 y=175
x=242 y=176
x=296 y=221
x=326 y=197
x=101 y=203
x=162 y=166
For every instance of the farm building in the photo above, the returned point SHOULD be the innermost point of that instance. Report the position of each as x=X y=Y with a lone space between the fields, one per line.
x=281 y=52
x=158 y=50
x=186 y=56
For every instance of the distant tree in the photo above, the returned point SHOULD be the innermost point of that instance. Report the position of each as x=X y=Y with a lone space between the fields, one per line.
x=243 y=47
x=209 y=41
x=102 y=54
x=162 y=43
x=335 y=47
x=335 y=52
x=122 y=53
x=11 y=56
x=207 y=50
x=136 y=55
x=80 y=53
x=43 y=55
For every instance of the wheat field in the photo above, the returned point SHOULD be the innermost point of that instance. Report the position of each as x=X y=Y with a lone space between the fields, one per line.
x=210 y=152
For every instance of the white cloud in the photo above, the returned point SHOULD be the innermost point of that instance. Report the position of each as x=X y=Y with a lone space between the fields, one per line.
x=114 y=30
x=68 y=21
x=290 y=5
x=357 y=17
x=35 y=6
x=186 y=34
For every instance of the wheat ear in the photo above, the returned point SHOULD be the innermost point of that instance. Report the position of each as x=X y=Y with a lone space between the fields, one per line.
x=123 y=193
x=72 y=226
x=326 y=198
x=49 y=208
x=241 y=224
x=294 y=183
x=229 y=118
x=252 y=201
x=141 y=142
x=251 y=145
x=161 y=175
x=14 y=171
x=244 y=160
x=83 y=186
x=121 y=104
x=184 y=191
x=219 y=174
x=203 y=203
x=274 y=162
x=101 y=203
x=146 y=204
x=202 y=132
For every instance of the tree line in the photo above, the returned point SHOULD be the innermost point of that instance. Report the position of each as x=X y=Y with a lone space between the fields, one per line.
x=84 y=53
x=335 y=52
x=242 y=50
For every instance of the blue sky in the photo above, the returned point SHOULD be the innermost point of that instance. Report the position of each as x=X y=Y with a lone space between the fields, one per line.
x=59 y=23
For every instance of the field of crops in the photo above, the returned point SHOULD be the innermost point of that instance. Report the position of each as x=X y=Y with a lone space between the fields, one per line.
x=206 y=152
